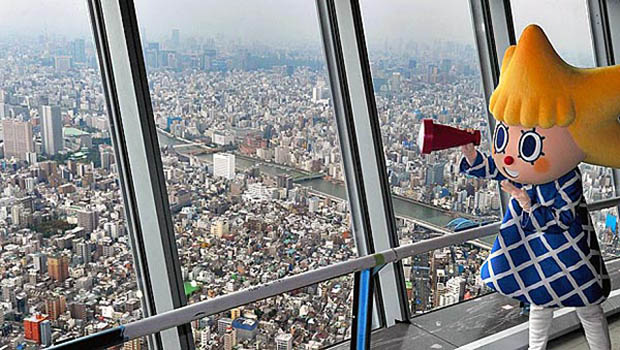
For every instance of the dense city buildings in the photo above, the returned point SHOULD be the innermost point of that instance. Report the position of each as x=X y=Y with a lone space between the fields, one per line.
x=252 y=164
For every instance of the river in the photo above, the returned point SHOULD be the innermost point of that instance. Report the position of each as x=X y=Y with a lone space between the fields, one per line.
x=402 y=207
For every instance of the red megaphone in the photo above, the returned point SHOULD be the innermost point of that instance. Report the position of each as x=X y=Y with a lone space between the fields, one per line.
x=435 y=137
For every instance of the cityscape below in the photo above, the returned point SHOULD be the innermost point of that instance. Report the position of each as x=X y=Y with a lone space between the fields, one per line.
x=252 y=163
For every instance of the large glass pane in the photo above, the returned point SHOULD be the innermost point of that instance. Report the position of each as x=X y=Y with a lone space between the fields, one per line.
x=66 y=267
x=574 y=44
x=248 y=142
x=297 y=320
x=424 y=65
x=445 y=276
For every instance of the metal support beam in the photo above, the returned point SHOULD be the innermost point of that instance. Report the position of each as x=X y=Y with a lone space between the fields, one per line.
x=137 y=152
x=360 y=327
x=503 y=31
x=613 y=22
x=600 y=32
x=604 y=19
x=368 y=190
x=494 y=33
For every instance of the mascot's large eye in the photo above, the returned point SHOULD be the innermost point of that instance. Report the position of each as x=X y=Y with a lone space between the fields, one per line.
x=501 y=138
x=530 y=146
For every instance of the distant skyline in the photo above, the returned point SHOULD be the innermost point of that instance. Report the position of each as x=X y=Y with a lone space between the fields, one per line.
x=276 y=21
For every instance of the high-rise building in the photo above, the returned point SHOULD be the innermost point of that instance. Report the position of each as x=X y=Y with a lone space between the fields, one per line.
x=395 y=82
x=62 y=63
x=51 y=130
x=134 y=344
x=88 y=219
x=284 y=181
x=78 y=50
x=151 y=55
x=313 y=204
x=58 y=268
x=220 y=228
x=78 y=310
x=230 y=338
x=434 y=174
x=45 y=329
x=318 y=93
x=412 y=63
x=224 y=165
x=17 y=136
x=222 y=324
x=440 y=290
x=176 y=38
x=32 y=330
x=457 y=285
x=107 y=158
x=282 y=155
x=235 y=313
x=15 y=214
x=205 y=336
x=420 y=277
x=84 y=251
x=246 y=328
x=284 y=341
x=30 y=183
x=8 y=290
x=31 y=157
x=40 y=262
x=21 y=302
x=55 y=306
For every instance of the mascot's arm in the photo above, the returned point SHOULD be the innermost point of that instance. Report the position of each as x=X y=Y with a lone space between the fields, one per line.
x=483 y=167
x=558 y=201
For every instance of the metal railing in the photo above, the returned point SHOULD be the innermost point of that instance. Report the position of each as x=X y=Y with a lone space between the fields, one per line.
x=604 y=204
x=185 y=314
x=226 y=302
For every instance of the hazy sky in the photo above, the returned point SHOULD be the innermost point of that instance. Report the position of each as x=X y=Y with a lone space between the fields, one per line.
x=275 y=20
x=64 y=17
x=567 y=31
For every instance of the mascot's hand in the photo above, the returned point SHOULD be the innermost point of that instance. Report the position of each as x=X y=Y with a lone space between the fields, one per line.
x=519 y=194
x=469 y=150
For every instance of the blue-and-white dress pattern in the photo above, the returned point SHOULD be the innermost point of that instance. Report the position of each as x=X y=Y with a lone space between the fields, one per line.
x=551 y=256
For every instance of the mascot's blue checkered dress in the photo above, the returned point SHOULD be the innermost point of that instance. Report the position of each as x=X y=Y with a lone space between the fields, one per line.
x=549 y=257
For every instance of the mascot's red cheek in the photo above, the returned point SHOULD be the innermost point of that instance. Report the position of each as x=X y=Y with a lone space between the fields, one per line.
x=541 y=165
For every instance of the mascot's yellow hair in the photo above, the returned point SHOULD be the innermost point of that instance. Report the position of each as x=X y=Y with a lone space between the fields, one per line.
x=537 y=88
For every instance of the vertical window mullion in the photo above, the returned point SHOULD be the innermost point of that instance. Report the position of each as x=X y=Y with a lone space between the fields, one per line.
x=131 y=118
x=494 y=33
x=604 y=18
x=368 y=189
